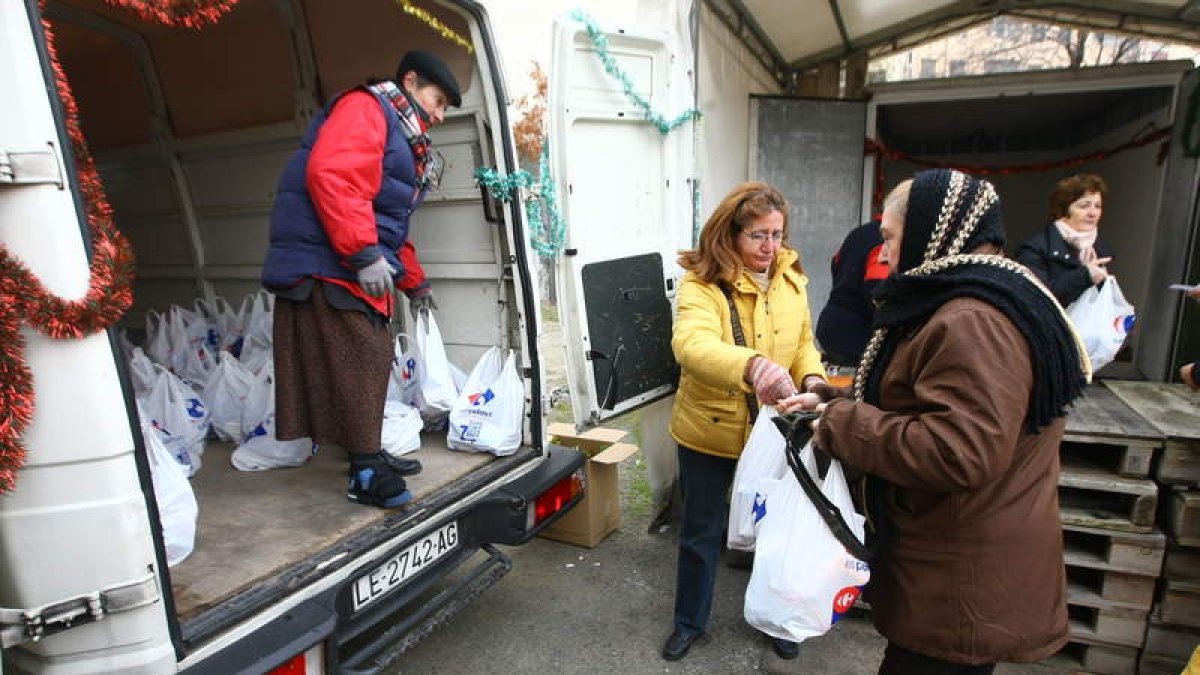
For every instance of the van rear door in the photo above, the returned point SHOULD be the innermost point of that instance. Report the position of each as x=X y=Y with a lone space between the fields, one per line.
x=626 y=194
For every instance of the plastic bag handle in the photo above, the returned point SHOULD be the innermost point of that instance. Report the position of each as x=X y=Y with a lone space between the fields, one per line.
x=791 y=427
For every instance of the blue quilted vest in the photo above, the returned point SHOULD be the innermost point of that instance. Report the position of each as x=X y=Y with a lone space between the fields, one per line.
x=298 y=245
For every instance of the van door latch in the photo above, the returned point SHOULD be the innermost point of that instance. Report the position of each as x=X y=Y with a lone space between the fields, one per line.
x=30 y=625
x=30 y=167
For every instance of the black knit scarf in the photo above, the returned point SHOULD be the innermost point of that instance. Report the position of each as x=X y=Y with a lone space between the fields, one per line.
x=905 y=303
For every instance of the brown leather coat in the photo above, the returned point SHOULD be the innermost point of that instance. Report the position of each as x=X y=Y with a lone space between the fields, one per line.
x=974 y=571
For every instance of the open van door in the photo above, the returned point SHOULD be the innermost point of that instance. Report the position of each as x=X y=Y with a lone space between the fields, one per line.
x=626 y=191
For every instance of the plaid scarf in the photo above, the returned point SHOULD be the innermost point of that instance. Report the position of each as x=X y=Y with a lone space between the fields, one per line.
x=428 y=164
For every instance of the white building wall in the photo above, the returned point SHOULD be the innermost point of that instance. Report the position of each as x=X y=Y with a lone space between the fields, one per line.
x=727 y=75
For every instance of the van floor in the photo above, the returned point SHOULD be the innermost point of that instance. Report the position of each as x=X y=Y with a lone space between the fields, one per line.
x=253 y=525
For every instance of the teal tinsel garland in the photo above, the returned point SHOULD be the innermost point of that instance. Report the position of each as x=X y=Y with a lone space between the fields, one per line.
x=547 y=241
x=600 y=42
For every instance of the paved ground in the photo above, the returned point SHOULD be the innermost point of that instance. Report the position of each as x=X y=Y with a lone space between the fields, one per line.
x=565 y=609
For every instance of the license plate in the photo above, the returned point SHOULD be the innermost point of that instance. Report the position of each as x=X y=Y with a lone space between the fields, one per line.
x=404 y=565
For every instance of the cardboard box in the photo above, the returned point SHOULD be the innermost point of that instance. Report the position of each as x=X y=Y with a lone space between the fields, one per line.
x=599 y=512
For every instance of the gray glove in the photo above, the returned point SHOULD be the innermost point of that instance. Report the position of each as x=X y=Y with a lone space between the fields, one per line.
x=376 y=278
x=421 y=300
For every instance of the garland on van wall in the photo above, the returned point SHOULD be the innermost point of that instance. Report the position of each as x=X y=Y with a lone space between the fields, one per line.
x=179 y=13
x=432 y=21
x=600 y=44
x=25 y=299
x=547 y=241
x=882 y=152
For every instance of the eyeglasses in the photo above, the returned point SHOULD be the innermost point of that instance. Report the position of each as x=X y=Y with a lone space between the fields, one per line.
x=762 y=237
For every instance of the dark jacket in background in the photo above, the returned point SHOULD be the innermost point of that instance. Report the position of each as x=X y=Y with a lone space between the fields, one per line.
x=1056 y=263
x=845 y=323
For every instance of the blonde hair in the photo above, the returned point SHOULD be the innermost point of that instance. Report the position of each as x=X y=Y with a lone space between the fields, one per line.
x=717 y=257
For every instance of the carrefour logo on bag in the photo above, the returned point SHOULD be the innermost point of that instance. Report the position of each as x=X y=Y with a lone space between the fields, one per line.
x=760 y=506
x=843 y=600
x=195 y=408
x=410 y=367
x=1123 y=324
x=482 y=398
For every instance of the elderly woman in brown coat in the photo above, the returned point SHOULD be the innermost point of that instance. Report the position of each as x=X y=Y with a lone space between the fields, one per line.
x=956 y=418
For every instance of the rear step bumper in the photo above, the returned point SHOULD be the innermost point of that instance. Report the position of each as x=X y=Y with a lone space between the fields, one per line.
x=402 y=636
x=375 y=635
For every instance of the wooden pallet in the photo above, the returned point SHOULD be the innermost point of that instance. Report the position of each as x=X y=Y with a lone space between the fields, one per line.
x=1174 y=410
x=1103 y=659
x=1102 y=549
x=1100 y=620
x=1182 y=517
x=1181 y=563
x=1170 y=641
x=1103 y=430
x=1135 y=591
x=1093 y=497
x=1179 y=603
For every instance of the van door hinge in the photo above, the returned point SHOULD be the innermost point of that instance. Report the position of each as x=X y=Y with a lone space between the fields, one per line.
x=30 y=625
x=30 y=167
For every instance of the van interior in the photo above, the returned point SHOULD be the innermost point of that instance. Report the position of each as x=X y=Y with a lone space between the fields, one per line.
x=190 y=129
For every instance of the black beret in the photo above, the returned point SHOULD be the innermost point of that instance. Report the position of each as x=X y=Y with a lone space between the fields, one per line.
x=433 y=69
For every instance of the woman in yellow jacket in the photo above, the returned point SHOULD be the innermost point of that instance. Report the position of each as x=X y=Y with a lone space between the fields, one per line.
x=743 y=262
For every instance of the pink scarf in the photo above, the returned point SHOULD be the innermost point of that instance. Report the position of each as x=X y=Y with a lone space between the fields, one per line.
x=1082 y=241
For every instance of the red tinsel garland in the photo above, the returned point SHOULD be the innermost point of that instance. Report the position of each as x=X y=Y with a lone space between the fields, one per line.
x=23 y=297
x=882 y=152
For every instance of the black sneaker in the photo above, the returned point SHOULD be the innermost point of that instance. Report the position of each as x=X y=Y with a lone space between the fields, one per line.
x=374 y=483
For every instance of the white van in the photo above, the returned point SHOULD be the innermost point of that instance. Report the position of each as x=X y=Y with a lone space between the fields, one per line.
x=189 y=129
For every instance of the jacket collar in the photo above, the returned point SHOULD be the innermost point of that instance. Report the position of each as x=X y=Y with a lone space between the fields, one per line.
x=782 y=267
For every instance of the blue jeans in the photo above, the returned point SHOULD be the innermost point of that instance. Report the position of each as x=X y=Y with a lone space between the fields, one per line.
x=703 y=482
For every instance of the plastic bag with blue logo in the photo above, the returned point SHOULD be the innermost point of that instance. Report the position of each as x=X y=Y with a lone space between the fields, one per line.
x=803 y=579
x=762 y=459
x=1103 y=319
x=225 y=391
x=488 y=414
x=180 y=417
x=260 y=449
x=435 y=393
x=177 y=509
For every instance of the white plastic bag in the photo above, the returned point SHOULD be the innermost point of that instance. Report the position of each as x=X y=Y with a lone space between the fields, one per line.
x=803 y=579
x=1103 y=319
x=158 y=338
x=402 y=425
x=142 y=372
x=180 y=417
x=762 y=459
x=225 y=392
x=402 y=385
x=487 y=415
x=177 y=508
x=435 y=393
x=260 y=449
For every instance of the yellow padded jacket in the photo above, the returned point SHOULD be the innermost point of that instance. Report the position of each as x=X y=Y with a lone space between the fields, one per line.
x=710 y=413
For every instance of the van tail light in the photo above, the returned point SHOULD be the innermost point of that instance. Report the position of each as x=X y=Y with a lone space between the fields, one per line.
x=560 y=495
x=311 y=662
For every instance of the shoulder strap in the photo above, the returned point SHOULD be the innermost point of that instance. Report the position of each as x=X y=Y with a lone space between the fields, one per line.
x=828 y=511
x=739 y=339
